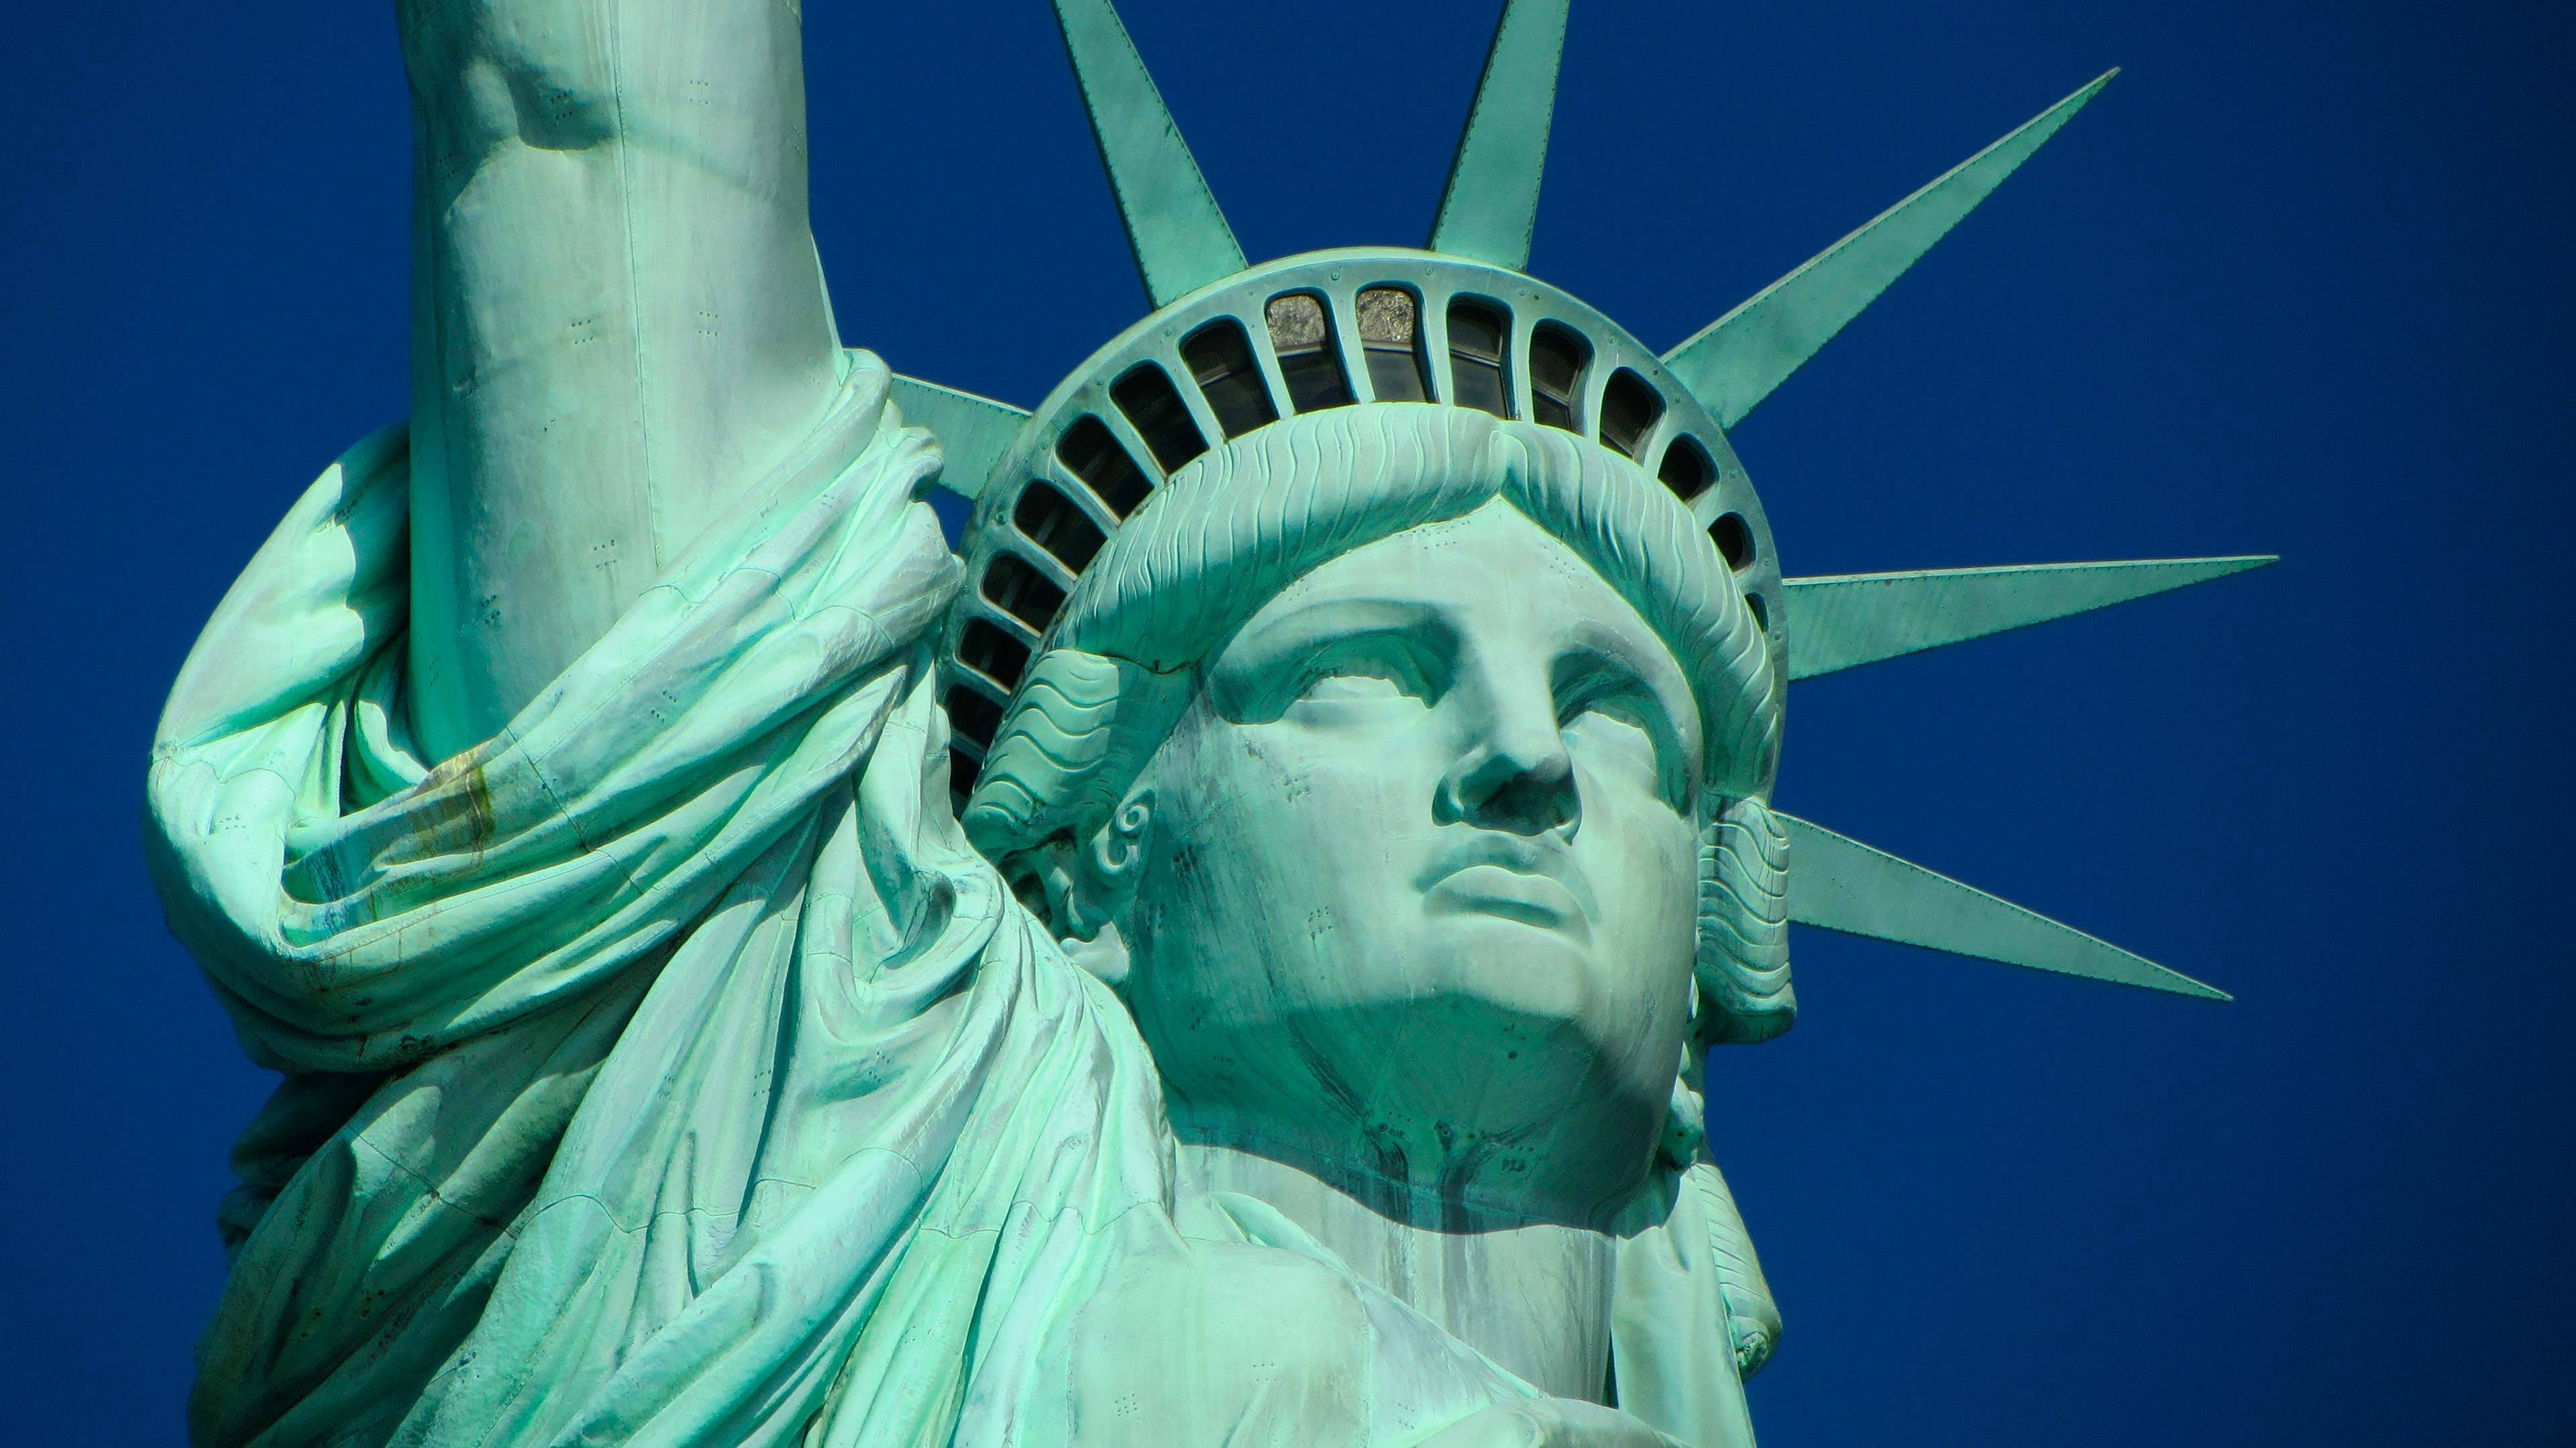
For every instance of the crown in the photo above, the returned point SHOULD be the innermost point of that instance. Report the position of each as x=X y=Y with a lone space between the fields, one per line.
x=1310 y=333
x=1230 y=348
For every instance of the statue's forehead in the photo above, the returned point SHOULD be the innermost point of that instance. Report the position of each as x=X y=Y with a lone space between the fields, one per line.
x=1492 y=578
x=1493 y=555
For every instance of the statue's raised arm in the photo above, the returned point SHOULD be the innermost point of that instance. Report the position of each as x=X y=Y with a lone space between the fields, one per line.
x=490 y=787
x=618 y=318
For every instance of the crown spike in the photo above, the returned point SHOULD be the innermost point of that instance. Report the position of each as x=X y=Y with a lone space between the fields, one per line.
x=1847 y=620
x=1735 y=362
x=1840 y=884
x=1180 y=238
x=974 y=432
x=1490 y=206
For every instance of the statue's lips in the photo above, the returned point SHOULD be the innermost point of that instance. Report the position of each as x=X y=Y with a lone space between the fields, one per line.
x=1531 y=899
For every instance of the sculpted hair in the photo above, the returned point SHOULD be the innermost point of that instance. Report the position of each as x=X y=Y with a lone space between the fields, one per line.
x=1232 y=529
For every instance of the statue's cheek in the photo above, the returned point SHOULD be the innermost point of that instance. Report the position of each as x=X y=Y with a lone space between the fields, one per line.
x=1288 y=786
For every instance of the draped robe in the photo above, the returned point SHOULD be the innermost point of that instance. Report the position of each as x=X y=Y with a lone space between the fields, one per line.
x=667 y=1069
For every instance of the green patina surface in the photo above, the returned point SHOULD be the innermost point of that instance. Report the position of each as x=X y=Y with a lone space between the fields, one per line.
x=1230 y=957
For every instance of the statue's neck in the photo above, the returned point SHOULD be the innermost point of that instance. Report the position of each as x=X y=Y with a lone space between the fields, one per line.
x=1532 y=1295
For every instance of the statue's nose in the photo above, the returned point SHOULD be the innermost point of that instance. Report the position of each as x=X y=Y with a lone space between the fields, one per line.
x=1517 y=776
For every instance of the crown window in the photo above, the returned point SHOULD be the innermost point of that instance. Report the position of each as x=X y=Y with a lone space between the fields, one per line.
x=1050 y=520
x=1628 y=411
x=1301 y=336
x=1477 y=333
x=1557 y=360
x=963 y=768
x=1734 y=540
x=1220 y=361
x=972 y=714
x=1391 y=340
x=1686 y=469
x=1089 y=451
x=992 y=653
x=1146 y=395
x=1021 y=591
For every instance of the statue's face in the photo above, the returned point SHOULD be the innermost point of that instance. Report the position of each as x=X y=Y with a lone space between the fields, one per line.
x=1418 y=891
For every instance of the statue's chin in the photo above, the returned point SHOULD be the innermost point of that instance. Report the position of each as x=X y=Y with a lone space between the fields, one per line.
x=1533 y=970
x=1486 y=1039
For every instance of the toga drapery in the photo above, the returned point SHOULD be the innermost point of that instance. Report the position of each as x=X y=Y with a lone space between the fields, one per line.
x=668 y=1069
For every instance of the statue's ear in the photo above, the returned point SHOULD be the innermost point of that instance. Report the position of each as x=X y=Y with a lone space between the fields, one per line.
x=1103 y=873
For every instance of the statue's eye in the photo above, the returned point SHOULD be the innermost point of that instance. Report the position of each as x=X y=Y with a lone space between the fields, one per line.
x=1353 y=677
x=1351 y=686
x=1617 y=738
x=1371 y=670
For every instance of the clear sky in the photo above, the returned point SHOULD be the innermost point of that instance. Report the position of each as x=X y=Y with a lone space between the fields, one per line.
x=2297 y=283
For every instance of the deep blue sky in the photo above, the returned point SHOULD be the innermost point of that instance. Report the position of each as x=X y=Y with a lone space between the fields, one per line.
x=2297 y=283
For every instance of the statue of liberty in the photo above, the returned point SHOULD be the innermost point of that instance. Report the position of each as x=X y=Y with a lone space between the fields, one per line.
x=1227 y=955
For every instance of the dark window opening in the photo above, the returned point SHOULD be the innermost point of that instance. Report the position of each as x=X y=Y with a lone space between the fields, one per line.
x=1734 y=540
x=973 y=715
x=1557 y=360
x=1477 y=334
x=1628 y=411
x=1022 y=592
x=1686 y=470
x=1092 y=452
x=1301 y=335
x=962 y=770
x=1050 y=520
x=1160 y=417
x=1391 y=339
x=1761 y=615
x=992 y=653
x=1220 y=361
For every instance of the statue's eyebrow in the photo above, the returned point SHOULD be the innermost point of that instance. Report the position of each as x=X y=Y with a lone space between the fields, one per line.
x=1332 y=620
